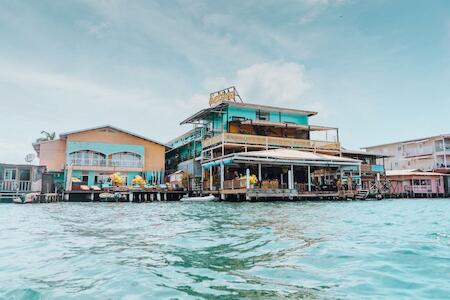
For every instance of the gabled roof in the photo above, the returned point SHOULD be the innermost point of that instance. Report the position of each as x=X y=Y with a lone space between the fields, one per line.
x=65 y=134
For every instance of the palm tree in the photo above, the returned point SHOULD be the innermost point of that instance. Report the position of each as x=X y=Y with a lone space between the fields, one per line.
x=49 y=136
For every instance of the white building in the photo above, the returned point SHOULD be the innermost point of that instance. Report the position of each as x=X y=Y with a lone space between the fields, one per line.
x=427 y=154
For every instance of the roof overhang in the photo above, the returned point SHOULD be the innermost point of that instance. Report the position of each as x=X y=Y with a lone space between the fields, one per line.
x=286 y=157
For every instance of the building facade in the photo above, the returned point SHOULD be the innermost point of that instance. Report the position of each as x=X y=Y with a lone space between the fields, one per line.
x=93 y=154
x=244 y=148
x=427 y=154
x=19 y=179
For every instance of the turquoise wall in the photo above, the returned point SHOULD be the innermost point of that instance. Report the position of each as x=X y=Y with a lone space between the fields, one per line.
x=302 y=120
x=274 y=116
x=104 y=148
x=241 y=112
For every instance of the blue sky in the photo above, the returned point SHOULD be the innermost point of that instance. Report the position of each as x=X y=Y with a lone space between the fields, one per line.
x=379 y=70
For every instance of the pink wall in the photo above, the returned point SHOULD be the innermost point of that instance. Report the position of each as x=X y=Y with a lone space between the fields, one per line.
x=53 y=155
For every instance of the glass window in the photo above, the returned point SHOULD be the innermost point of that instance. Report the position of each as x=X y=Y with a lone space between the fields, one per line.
x=262 y=115
x=10 y=174
x=24 y=175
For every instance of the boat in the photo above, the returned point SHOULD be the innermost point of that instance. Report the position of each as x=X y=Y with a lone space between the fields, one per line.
x=24 y=199
x=110 y=197
x=199 y=199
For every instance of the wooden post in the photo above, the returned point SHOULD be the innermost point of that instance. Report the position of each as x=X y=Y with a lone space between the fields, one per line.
x=210 y=179
x=309 y=178
x=222 y=175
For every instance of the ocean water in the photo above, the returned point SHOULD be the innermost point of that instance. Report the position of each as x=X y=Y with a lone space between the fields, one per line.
x=391 y=249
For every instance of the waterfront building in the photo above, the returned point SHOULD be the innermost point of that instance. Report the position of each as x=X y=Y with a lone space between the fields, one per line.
x=233 y=143
x=19 y=179
x=372 y=168
x=417 y=183
x=92 y=155
x=426 y=154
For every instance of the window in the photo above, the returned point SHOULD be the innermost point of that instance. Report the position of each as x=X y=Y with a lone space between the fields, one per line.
x=84 y=177
x=262 y=115
x=24 y=175
x=10 y=174
x=126 y=159
x=87 y=158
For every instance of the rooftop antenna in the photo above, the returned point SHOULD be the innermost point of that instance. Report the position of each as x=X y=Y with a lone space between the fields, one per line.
x=30 y=157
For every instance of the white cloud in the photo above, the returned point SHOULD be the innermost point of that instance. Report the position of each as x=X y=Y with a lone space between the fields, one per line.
x=275 y=82
x=24 y=76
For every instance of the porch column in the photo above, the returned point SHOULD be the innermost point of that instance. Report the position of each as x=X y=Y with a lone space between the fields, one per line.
x=445 y=154
x=259 y=173
x=247 y=178
x=292 y=177
x=203 y=176
x=309 y=178
x=360 y=178
x=222 y=175
x=210 y=179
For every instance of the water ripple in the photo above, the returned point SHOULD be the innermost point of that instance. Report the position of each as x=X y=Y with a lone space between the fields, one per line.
x=314 y=250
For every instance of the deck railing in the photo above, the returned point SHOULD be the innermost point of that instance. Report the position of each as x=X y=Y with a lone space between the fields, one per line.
x=14 y=185
x=268 y=141
x=421 y=189
x=106 y=163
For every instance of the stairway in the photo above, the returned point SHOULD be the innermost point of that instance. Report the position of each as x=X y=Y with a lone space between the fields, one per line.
x=362 y=195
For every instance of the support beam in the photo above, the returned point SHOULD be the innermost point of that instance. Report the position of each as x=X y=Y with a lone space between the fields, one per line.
x=309 y=179
x=247 y=178
x=445 y=152
x=210 y=179
x=292 y=177
x=259 y=172
x=222 y=175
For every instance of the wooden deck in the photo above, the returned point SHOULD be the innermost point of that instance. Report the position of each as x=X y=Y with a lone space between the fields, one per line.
x=268 y=141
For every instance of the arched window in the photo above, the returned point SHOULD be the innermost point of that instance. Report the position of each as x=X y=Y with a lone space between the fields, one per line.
x=126 y=159
x=87 y=158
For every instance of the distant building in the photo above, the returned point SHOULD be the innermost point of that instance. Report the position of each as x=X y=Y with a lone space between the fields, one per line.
x=93 y=154
x=416 y=183
x=19 y=179
x=426 y=154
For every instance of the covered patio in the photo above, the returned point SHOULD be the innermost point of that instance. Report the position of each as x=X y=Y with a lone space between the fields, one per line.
x=276 y=173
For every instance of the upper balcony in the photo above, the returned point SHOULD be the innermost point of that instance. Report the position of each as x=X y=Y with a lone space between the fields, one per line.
x=269 y=142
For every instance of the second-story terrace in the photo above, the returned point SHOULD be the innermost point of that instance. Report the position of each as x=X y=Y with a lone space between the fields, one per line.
x=230 y=127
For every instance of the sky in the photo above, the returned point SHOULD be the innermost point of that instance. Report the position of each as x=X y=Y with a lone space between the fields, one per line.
x=379 y=70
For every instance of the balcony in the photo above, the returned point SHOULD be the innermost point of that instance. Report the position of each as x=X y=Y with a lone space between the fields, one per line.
x=270 y=142
x=15 y=186
x=107 y=163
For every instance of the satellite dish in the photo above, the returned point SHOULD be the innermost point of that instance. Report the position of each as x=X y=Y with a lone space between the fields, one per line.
x=29 y=157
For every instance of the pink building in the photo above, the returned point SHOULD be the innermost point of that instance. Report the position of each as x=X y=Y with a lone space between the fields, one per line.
x=415 y=183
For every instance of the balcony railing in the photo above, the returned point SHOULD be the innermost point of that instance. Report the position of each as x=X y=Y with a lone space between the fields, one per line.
x=268 y=141
x=14 y=185
x=106 y=163
x=419 y=188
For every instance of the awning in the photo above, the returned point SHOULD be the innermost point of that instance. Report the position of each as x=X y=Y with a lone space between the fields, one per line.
x=290 y=157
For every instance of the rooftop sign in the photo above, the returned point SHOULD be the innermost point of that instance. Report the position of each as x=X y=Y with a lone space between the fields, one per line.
x=226 y=95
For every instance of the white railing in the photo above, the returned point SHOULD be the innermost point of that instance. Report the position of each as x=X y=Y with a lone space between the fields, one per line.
x=106 y=163
x=419 y=188
x=14 y=185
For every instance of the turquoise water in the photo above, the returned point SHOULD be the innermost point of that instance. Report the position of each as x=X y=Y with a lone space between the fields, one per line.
x=393 y=249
